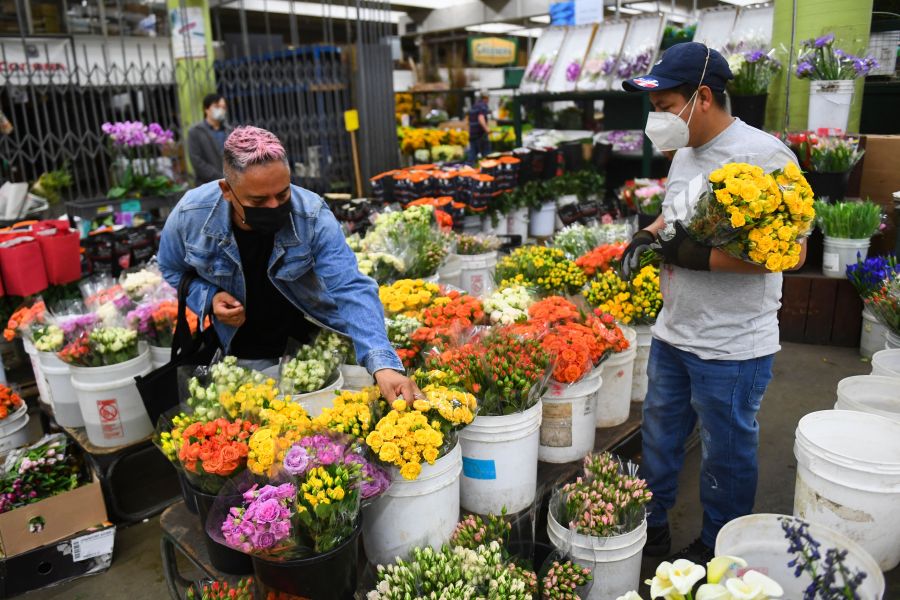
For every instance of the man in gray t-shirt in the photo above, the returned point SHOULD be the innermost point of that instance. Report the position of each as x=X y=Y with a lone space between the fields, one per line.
x=716 y=336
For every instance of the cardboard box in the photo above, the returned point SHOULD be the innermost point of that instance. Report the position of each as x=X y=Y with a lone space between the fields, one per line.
x=880 y=179
x=85 y=553
x=63 y=515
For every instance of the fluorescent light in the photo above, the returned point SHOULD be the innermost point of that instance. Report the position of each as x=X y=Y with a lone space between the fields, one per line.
x=311 y=9
x=494 y=28
x=431 y=4
x=544 y=19
x=624 y=10
x=534 y=32
x=659 y=7
x=742 y=2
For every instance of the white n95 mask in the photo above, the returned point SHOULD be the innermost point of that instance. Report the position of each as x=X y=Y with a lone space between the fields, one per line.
x=667 y=131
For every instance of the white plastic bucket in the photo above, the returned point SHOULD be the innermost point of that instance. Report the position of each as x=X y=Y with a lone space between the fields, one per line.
x=43 y=388
x=886 y=363
x=517 y=223
x=759 y=539
x=111 y=406
x=355 y=377
x=567 y=424
x=870 y=393
x=891 y=340
x=639 y=381
x=315 y=402
x=500 y=459
x=848 y=478
x=449 y=272
x=872 y=336
x=613 y=399
x=415 y=513
x=487 y=225
x=14 y=432
x=471 y=224
x=840 y=252
x=543 y=220
x=431 y=278
x=160 y=356
x=66 y=409
x=615 y=562
x=477 y=273
x=829 y=104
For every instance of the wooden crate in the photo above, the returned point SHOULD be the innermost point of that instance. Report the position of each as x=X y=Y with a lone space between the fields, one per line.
x=819 y=310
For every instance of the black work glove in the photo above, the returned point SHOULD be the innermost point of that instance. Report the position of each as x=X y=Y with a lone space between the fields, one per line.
x=631 y=257
x=682 y=251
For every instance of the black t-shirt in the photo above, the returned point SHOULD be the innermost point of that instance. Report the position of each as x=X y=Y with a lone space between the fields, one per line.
x=271 y=318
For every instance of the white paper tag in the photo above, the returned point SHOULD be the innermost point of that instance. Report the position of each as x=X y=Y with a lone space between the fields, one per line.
x=93 y=544
x=830 y=261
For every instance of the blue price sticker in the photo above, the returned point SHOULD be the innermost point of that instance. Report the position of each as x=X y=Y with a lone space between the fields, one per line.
x=475 y=468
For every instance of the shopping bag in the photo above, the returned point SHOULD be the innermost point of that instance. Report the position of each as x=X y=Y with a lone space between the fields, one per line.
x=21 y=261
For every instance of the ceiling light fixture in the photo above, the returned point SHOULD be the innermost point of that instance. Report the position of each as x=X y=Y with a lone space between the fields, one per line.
x=494 y=28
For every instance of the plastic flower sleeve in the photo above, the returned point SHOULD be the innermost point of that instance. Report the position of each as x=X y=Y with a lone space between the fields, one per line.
x=213 y=452
x=31 y=312
x=62 y=324
x=138 y=284
x=95 y=341
x=308 y=367
x=202 y=391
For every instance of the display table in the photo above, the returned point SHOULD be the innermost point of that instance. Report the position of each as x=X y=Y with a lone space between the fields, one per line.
x=138 y=481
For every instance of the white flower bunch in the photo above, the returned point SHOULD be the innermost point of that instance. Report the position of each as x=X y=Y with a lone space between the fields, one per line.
x=380 y=266
x=226 y=376
x=677 y=579
x=48 y=338
x=400 y=328
x=113 y=345
x=108 y=314
x=312 y=368
x=139 y=284
x=509 y=305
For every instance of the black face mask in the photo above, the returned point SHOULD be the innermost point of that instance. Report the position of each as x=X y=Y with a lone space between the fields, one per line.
x=267 y=220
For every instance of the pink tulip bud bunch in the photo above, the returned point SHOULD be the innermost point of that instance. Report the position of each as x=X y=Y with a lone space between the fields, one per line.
x=475 y=530
x=562 y=580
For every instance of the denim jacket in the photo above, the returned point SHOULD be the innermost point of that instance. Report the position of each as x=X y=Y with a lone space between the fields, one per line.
x=311 y=265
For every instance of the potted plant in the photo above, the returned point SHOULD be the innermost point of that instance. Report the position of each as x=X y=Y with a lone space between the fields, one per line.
x=831 y=159
x=868 y=277
x=885 y=303
x=831 y=72
x=135 y=167
x=847 y=227
x=753 y=71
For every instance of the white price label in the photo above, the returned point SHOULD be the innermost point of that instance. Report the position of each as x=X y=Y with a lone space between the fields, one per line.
x=93 y=544
x=830 y=261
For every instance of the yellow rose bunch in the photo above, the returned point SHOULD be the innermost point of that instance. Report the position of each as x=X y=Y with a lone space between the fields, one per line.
x=249 y=399
x=636 y=301
x=351 y=413
x=414 y=138
x=284 y=423
x=545 y=268
x=407 y=297
x=756 y=216
x=408 y=436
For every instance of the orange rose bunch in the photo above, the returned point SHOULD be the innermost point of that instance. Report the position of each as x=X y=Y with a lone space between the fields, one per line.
x=22 y=319
x=552 y=310
x=217 y=448
x=600 y=259
x=9 y=401
x=608 y=332
x=449 y=315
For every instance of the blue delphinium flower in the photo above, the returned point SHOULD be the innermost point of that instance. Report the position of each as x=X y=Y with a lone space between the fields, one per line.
x=831 y=578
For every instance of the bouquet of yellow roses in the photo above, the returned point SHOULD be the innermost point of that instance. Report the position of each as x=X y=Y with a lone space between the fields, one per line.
x=755 y=216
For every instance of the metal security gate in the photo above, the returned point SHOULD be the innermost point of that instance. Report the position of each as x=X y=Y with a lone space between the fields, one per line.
x=57 y=92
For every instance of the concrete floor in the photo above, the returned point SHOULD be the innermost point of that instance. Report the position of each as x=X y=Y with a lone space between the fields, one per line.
x=805 y=381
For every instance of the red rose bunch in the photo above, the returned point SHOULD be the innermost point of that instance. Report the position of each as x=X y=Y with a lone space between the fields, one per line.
x=552 y=310
x=600 y=259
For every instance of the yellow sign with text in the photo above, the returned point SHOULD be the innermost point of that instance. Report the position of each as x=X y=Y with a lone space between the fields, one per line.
x=492 y=51
x=351 y=120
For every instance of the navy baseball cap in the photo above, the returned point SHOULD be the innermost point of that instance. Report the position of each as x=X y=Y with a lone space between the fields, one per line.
x=680 y=64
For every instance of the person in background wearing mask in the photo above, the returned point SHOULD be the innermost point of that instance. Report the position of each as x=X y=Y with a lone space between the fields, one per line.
x=479 y=128
x=206 y=140
x=271 y=260
x=716 y=336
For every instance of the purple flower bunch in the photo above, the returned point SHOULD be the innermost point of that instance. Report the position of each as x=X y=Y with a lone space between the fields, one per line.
x=540 y=70
x=819 y=60
x=573 y=71
x=264 y=520
x=75 y=325
x=41 y=471
x=133 y=134
x=636 y=64
x=375 y=480
x=141 y=320
x=313 y=451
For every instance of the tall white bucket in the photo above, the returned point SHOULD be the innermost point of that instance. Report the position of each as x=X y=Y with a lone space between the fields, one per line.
x=14 y=430
x=568 y=426
x=839 y=253
x=43 y=388
x=829 y=104
x=872 y=336
x=66 y=409
x=870 y=393
x=315 y=402
x=614 y=396
x=886 y=363
x=639 y=381
x=759 y=539
x=848 y=478
x=615 y=562
x=111 y=406
x=891 y=340
x=160 y=356
x=449 y=272
x=502 y=227
x=500 y=460
x=477 y=273
x=472 y=224
x=355 y=377
x=517 y=223
x=419 y=513
x=543 y=220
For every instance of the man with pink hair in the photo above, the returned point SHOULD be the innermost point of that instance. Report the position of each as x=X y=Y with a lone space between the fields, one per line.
x=272 y=264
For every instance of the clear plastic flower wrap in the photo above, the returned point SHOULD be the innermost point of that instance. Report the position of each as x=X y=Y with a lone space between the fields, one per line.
x=309 y=367
x=310 y=506
x=413 y=236
x=203 y=388
x=577 y=240
x=146 y=281
x=509 y=305
x=99 y=340
x=62 y=323
x=104 y=296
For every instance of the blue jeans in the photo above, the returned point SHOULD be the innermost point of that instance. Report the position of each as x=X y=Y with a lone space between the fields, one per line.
x=725 y=395
x=479 y=147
